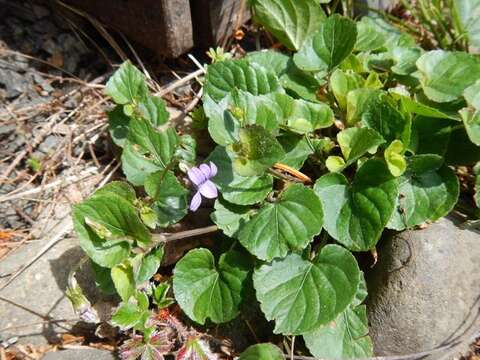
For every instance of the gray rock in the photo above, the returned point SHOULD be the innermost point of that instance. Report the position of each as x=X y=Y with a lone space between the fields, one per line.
x=80 y=354
x=15 y=84
x=425 y=289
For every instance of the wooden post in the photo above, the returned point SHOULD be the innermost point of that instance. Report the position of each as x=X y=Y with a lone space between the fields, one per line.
x=165 y=26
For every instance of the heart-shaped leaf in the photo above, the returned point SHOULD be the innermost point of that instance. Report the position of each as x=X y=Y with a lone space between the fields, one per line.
x=224 y=76
x=301 y=295
x=262 y=352
x=204 y=289
x=147 y=150
x=106 y=225
x=445 y=75
x=427 y=191
x=329 y=46
x=290 y=21
x=289 y=224
x=170 y=197
x=355 y=215
x=235 y=188
x=127 y=85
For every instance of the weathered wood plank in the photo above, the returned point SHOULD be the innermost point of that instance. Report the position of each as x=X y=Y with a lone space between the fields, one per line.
x=164 y=26
x=215 y=20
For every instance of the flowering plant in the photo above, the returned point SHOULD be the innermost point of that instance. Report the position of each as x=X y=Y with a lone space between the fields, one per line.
x=315 y=151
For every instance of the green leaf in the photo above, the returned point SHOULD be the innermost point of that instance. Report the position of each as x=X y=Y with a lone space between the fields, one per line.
x=154 y=110
x=468 y=12
x=290 y=21
x=303 y=84
x=471 y=120
x=159 y=295
x=289 y=224
x=344 y=338
x=262 y=352
x=127 y=316
x=224 y=76
x=103 y=279
x=355 y=215
x=223 y=127
x=355 y=142
x=230 y=217
x=342 y=82
x=118 y=124
x=297 y=149
x=383 y=117
x=270 y=59
x=308 y=117
x=427 y=191
x=369 y=37
x=329 y=46
x=394 y=158
x=147 y=151
x=127 y=85
x=405 y=59
x=170 y=197
x=335 y=163
x=445 y=75
x=301 y=295
x=358 y=101
x=235 y=188
x=148 y=265
x=124 y=280
x=118 y=188
x=472 y=95
x=416 y=107
x=257 y=151
x=430 y=135
x=204 y=289
x=106 y=225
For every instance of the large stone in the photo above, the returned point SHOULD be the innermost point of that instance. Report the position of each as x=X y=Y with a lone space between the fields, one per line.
x=79 y=354
x=425 y=289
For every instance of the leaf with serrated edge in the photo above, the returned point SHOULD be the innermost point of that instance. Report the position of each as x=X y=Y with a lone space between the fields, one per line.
x=445 y=75
x=328 y=47
x=356 y=215
x=204 y=289
x=301 y=295
x=127 y=85
x=290 y=21
x=224 y=76
x=289 y=224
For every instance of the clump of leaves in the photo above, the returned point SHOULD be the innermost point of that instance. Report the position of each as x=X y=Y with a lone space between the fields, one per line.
x=352 y=130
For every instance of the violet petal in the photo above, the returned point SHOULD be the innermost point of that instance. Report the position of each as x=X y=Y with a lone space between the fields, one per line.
x=213 y=169
x=196 y=201
x=196 y=176
x=208 y=189
x=205 y=169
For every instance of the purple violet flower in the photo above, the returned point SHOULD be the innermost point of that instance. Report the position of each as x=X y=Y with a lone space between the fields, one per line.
x=200 y=177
